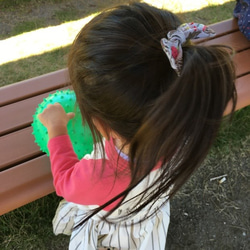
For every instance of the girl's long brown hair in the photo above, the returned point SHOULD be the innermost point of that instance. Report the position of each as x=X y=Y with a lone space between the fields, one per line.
x=122 y=77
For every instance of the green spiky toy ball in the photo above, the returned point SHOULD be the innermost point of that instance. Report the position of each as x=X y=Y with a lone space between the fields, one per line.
x=80 y=135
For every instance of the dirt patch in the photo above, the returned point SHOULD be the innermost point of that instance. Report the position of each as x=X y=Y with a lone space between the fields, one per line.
x=211 y=213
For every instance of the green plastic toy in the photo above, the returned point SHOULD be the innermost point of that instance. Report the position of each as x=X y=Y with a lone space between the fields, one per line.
x=80 y=135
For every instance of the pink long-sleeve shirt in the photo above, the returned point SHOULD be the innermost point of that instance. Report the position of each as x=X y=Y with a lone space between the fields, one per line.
x=83 y=181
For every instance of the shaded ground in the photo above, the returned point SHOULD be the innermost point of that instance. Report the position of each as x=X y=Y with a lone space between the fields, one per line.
x=212 y=215
x=206 y=214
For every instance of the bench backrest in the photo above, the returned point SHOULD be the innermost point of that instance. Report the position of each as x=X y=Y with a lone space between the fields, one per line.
x=25 y=171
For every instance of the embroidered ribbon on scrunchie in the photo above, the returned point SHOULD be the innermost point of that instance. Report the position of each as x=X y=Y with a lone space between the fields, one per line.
x=172 y=45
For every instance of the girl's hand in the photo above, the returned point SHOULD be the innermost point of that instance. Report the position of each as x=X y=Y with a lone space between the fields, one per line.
x=55 y=119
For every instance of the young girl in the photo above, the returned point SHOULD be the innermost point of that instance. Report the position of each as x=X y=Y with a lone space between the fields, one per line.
x=154 y=103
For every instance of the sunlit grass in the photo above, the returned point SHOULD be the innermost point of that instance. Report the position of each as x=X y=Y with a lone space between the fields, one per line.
x=40 y=41
x=47 y=39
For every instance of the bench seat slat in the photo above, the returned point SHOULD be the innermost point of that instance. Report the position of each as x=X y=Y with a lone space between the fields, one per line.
x=25 y=183
x=236 y=40
x=34 y=86
x=25 y=173
x=221 y=29
x=242 y=62
x=17 y=147
x=244 y=79
x=225 y=27
x=20 y=114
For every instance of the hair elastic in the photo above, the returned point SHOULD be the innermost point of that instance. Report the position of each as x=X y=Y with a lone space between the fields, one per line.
x=172 y=45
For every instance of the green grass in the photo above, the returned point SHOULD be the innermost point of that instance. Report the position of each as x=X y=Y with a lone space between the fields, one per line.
x=30 y=227
x=27 y=26
x=211 y=14
x=33 y=66
x=14 y=3
x=7 y=4
x=37 y=65
x=233 y=132
x=66 y=15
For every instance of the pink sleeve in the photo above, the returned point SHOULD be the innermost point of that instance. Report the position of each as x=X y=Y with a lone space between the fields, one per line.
x=82 y=181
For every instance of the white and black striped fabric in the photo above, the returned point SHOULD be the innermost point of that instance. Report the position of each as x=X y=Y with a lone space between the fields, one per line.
x=149 y=234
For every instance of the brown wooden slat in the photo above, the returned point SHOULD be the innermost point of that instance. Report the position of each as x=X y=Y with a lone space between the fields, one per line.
x=236 y=40
x=242 y=62
x=20 y=114
x=243 y=90
x=27 y=176
x=221 y=29
x=34 y=86
x=224 y=27
x=244 y=79
x=16 y=147
x=25 y=183
x=241 y=84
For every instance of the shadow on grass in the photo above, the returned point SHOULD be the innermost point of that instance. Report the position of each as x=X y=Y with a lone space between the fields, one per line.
x=62 y=11
x=33 y=66
x=209 y=15
x=21 y=16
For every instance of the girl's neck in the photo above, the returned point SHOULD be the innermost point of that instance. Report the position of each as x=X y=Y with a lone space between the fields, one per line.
x=120 y=145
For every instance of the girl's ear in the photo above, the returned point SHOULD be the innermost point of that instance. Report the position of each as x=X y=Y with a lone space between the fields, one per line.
x=105 y=132
x=99 y=126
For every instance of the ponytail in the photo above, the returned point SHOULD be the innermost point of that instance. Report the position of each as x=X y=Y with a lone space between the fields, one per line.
x=169 y=121
x=182 y=125
x=179 y=130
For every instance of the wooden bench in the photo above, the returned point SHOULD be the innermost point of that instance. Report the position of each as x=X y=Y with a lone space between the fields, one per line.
x=25 y=171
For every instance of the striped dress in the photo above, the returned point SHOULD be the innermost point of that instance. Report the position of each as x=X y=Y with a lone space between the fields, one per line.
x=84 y=193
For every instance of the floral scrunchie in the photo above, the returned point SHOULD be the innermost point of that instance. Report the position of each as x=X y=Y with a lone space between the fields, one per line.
x=172 y=45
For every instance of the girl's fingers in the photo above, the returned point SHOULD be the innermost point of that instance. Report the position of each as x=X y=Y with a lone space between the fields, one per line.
x=71 y=115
